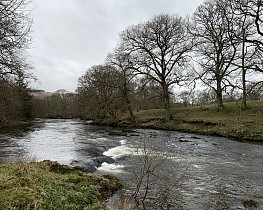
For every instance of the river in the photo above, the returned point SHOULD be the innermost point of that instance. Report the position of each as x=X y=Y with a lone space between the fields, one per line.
x=199 y=172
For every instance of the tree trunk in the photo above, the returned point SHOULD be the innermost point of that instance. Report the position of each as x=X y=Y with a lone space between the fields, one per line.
x=244 y=95
x=166 y=101
x=125 y=92
x=219 y=95
x=128 y=103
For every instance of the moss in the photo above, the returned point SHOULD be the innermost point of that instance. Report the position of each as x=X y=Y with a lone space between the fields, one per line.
x=48 y=185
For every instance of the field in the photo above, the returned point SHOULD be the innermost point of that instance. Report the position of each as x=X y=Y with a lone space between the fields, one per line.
x=231 y=121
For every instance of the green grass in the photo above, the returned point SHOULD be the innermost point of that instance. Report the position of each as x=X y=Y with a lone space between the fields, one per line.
x=48 y=185
x=231 y=121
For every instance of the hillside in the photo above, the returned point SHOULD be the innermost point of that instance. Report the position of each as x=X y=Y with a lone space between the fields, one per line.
x=41 y=94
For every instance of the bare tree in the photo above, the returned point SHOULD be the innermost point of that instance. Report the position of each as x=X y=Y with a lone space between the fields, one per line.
x=160 y=50
x=255 y=91
x=248 y=21
x=213 y=29
x=254 y=9
x=148 y=94
x=247 y=56
x=123 y=65
x=15 y=26
x=97 y=92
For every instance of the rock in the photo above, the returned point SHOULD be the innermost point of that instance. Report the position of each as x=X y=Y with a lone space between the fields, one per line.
x=109 y=185
x=88 y=168
x=250 y=204
x=184 y=140
x=134 y=134
x=93 y=150
x=103 y=159
x=75 y=162
x=117 y=133
x=195 y=137
x=64 y=169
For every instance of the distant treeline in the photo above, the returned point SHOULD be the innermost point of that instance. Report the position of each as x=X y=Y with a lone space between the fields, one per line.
x=56 y=105
x=73 y=105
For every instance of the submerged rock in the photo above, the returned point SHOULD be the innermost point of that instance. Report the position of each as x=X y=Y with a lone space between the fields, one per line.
x=103 y=159
x=181 y=140
x=195 y=137
x=250 y=204
x=117 y=133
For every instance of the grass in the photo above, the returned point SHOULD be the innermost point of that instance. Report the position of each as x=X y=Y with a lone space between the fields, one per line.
x=231 y=121
x=49 y=185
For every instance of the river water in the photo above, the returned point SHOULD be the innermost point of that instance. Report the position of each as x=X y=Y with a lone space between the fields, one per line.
x=199 y=172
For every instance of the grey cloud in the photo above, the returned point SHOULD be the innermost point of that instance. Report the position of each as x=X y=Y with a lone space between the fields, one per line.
x=72 y=35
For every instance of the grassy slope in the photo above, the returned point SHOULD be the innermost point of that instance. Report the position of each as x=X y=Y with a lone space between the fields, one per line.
x=48 y=185
x=229 y=122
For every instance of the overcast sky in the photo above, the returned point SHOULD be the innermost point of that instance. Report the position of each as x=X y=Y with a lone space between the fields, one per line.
x=69 y=36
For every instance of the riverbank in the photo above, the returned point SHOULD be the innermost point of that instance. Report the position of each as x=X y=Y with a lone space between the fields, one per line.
x=14 y=124
x=49 y=185
x=230 y=122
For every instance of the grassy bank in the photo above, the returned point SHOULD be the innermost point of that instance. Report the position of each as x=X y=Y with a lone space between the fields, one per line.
x=230 y=122
x=49 y=185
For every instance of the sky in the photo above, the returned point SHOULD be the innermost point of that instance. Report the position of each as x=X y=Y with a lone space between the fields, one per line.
x=70 y=36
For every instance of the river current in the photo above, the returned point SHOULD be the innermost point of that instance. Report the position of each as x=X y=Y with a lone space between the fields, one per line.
x=200 y=172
